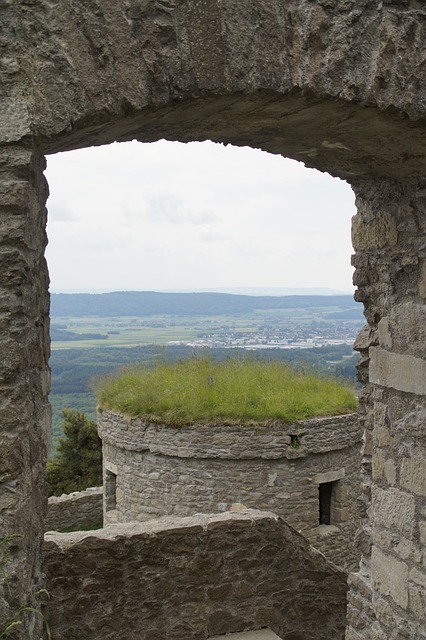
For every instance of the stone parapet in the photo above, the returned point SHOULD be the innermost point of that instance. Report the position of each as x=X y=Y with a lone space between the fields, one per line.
x=71 y=512
x=234 y=441
x=191 y=579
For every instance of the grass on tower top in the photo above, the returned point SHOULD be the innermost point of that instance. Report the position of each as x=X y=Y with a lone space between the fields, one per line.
x=236 y=390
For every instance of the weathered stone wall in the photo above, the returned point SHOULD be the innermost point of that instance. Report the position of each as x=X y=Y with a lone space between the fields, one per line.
x=295 y=77
x=338 y=85
x=72 y=511
x=24 y=378
x=159 y=470
x=387 y=597
x=190 y=579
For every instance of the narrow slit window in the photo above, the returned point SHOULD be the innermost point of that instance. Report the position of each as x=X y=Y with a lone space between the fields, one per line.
x=110 y=490
x=325 y=496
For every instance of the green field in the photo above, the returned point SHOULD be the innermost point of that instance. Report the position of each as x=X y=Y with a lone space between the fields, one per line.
x=130 y=331
x=130 y=338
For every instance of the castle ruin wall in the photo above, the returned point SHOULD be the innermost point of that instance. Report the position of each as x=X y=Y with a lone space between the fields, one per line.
x=387 y=598
x=191 y=579
x=155 y=470
x=338 y=85
x=72 y=511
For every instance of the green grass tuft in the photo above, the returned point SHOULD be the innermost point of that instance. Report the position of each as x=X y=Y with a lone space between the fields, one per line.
x=231 y=391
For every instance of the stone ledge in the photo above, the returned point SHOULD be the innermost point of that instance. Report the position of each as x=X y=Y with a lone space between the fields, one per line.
x=165 y=524
x=230 y=441
x=329 y=476
x=75 y=495
x=261 y=634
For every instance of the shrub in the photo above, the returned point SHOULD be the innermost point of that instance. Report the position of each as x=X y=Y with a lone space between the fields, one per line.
x=78 y=464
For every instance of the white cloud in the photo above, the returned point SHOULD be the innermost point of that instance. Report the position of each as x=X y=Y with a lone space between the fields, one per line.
x=166 y=215
x=166 y=208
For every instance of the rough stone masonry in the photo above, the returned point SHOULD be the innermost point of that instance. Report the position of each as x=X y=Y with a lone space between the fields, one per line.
x=190 y=579
x=338 y=85
x=75 y=511
x=152 y=470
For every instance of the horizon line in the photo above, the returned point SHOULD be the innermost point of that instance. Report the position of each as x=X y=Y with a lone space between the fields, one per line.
x=245 y=290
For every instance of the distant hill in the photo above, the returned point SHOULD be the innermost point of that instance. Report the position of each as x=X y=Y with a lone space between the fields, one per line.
x=147 y=303
x=267 y=291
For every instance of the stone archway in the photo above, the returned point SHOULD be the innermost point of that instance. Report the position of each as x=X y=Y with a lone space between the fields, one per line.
x=341 y=89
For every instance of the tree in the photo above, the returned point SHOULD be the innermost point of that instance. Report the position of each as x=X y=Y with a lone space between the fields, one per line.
x=78 y=464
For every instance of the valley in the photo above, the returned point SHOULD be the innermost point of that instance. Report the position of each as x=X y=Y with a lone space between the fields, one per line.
x=309 y=332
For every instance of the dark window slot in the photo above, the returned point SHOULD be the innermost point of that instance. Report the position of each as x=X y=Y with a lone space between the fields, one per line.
x=110 y=491
x=325 y=493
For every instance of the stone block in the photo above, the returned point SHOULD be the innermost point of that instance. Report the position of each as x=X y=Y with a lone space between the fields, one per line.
x=419 y=577
x=422 y=527
x=377 y=232
x=422 y=283
x=401 y=372
x=351 y=634
x=413 y=474
x=361 y=584
x=15 y=121
x=14 y=196
x=384 y=612
x=381 y=435
x=390 y=471
x=378 y=464
x=389 y=577
x=385 y=336
x=367 y=449
x=377 y=633
x=407 y=326
x=366 y=338
x=407 y=550
x=394 y=510
x=382 y=538
x=329 y=476
x=417 y=596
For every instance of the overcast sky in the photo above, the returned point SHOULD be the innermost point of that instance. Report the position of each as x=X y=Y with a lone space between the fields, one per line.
x=169 y=216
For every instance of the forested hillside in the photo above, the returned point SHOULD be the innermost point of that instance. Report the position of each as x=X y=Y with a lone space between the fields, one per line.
x=149 y=303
